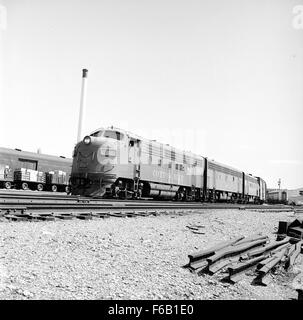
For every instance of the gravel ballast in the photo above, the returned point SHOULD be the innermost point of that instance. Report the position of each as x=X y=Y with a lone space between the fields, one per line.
x=132 y=258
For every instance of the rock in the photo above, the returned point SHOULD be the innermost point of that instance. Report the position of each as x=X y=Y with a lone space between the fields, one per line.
x=101 y=259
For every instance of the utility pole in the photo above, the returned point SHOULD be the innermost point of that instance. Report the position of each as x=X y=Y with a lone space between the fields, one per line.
x=82 y=103
x=279 y=183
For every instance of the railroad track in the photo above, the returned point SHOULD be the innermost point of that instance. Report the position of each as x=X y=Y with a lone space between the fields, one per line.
x=18 y=206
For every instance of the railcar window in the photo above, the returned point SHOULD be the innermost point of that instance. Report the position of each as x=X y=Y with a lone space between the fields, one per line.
x=28 y=164
x=113 y=135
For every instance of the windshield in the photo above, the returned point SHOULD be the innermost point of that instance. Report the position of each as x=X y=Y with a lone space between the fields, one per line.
x=113 y=135
x=97 y=134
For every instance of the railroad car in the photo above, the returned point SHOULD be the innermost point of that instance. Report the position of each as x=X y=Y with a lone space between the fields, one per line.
x=115 y=163
x=14 y=159
x=277 y=196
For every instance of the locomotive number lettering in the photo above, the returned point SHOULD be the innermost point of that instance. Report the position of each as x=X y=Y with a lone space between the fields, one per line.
x=159 y=174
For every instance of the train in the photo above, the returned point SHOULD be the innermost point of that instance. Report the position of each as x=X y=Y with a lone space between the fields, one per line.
x=115 y=163
x=29 y=170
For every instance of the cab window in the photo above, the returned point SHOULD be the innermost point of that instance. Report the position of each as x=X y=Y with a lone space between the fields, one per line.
x=97 y=134
x=113 y=135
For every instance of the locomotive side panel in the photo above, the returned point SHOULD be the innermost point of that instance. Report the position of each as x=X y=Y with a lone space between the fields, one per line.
x=251 y=186
x=153 y=173
x=223 y=178
x=163 y=164
x=262 y=189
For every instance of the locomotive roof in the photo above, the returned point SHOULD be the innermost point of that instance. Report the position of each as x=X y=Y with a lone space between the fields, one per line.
x=135 y=136
x=223 y=165
x=34 y=155
x=188 y=153
x=132 y=135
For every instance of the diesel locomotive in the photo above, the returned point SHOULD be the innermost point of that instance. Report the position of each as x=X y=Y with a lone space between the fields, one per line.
x=115 y=163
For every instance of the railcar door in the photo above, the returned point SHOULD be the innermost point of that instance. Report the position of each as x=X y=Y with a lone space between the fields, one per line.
x=134 y=157
x=134 y=151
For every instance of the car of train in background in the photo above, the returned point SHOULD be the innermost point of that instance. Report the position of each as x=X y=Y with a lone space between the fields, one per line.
x=284 y=196
x=36 y=171
x=115 y=163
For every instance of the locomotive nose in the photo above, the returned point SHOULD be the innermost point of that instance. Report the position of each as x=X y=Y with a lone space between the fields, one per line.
x=94 y=161
x=98 y=150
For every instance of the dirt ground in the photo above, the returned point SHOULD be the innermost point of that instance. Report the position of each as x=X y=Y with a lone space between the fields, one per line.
x=132 y=258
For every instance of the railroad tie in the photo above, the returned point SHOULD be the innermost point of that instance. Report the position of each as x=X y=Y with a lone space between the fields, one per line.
x=263 y=273
x=63 y=216
x=11 y=217
x=117 y=214
x=292 y=256
x=101 y=215
x=198 y=265
x=141 y=213
x=237 y=270
x=263 y=279
x=84 y=216
x=130 y=214
x=212 y=269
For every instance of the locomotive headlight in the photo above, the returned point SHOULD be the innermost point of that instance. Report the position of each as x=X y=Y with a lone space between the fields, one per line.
x=87 y=140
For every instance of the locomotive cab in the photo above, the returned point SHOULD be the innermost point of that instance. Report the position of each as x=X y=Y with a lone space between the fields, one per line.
x=101 y=159
x=109 y=133
x=94 y=161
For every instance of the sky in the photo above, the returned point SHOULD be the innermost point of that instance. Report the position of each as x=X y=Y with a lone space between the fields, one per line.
x=222 y=78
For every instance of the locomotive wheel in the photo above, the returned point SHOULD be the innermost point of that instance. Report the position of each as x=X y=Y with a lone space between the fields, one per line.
x=39 y=187
x=24 y=186
x=54 y=188
x=7 y=185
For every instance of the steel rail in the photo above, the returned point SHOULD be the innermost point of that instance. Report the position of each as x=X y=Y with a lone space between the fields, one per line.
x=19 y=206
x=38 y=198
x=9 y=195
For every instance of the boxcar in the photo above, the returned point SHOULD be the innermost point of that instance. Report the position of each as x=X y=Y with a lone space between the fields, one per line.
x=16 y=159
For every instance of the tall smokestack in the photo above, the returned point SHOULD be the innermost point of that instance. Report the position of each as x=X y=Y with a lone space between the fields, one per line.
x=3 y=27
x=82 y=103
